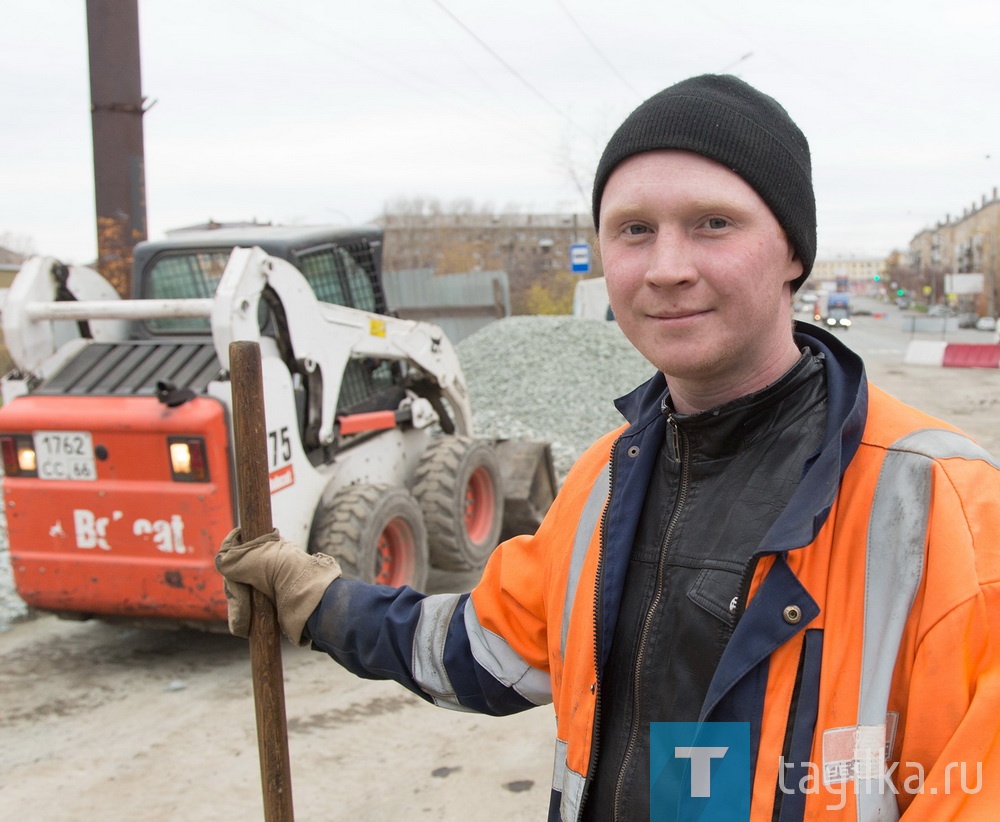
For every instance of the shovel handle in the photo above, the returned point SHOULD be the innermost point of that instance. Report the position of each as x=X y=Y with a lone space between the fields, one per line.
x=253 y=484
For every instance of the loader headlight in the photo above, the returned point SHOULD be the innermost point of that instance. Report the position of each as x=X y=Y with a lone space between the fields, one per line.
x=18 y=455
x=188 y=462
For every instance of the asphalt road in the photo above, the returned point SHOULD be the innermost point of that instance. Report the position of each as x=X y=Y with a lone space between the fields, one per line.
x=881 y=333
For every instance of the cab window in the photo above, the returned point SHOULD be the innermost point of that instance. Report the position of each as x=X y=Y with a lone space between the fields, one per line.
x=191 y=275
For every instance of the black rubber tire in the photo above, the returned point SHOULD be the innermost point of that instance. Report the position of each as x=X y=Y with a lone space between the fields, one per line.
x=376 y=532
x=459 y=487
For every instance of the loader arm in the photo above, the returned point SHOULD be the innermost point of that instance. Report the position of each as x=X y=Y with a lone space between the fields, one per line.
x=322 y=336
x=325 y=336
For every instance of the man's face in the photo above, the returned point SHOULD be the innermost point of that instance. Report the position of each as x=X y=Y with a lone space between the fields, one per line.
x=699 y=274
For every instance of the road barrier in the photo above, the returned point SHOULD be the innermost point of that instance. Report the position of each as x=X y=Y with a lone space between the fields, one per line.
x=953 y=355
x=971 y=355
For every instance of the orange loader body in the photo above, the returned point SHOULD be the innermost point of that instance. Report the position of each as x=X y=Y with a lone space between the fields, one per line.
x=134 y=540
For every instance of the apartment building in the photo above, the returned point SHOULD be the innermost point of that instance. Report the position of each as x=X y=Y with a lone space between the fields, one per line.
x=965 y=244
x=533 y=249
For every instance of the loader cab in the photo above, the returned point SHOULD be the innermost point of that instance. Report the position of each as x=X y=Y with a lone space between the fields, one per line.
x=342 y=265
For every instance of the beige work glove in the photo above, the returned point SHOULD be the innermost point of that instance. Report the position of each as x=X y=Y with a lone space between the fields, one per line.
x=292 y=579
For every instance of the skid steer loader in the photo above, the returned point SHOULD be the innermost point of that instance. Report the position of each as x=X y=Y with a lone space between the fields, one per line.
x=116 y=426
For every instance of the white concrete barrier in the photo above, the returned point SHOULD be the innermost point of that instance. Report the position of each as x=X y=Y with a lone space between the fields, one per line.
x=925 y=352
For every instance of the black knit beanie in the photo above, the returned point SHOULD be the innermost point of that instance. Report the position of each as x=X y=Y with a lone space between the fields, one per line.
x=729 y=121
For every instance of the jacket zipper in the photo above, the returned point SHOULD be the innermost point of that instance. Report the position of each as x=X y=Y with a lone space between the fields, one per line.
x=596 y=733
x=680 y=450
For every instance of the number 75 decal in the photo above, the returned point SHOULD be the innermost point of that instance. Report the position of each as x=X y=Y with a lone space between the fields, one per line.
x=279 y=446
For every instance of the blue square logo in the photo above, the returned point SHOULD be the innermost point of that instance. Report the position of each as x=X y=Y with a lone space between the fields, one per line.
x=699 y=771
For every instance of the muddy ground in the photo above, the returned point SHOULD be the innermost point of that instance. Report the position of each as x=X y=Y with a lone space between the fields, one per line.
x=99 y=722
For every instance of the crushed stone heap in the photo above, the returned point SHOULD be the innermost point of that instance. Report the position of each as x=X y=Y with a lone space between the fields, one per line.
x=550 y=378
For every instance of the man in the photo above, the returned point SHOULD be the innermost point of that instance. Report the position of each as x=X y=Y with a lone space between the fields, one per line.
x=769 y=541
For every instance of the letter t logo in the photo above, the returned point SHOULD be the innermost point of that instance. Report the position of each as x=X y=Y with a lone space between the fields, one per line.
x=699 y=770
x=701 y=766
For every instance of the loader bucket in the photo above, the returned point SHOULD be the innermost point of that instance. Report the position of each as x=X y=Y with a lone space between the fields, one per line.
x=529 y=482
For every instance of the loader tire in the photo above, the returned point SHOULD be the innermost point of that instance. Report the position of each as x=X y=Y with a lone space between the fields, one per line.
x=460 y=491
x=377 y=534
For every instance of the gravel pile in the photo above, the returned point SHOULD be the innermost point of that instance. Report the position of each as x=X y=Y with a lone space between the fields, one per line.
x=550 y=378
x=544 y=378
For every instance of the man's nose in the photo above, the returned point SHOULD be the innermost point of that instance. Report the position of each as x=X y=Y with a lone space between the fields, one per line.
x=672 y=261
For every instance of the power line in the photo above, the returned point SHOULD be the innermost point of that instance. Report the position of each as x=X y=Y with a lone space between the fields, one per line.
x=314 y=33
x=485 y=46
x=595 y=47
x=735 y=63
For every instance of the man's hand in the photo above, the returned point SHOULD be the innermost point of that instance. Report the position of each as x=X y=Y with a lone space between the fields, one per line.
x=282 y=571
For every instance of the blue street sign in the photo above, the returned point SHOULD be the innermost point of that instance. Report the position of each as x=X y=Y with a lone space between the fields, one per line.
x=579 y=258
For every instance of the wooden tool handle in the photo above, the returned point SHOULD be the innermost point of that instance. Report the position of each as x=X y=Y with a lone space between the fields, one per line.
x=250 y=440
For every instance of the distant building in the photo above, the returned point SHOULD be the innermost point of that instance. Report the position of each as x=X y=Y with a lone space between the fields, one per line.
x=530 y=248
x=539 y=241
x=961 y=245
x=857 y=270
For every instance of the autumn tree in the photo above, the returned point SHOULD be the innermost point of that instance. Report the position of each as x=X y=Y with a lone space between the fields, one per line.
x=552 y=294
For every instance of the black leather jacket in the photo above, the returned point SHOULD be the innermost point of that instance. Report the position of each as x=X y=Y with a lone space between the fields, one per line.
x=723 y=476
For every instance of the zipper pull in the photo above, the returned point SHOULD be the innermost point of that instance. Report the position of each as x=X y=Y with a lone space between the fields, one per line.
x=675 y=434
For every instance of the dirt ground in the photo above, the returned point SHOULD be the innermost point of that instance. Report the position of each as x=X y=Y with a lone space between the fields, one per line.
x=109 y=723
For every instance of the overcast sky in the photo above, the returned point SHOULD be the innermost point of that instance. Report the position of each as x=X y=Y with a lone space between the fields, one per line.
x=327 y=111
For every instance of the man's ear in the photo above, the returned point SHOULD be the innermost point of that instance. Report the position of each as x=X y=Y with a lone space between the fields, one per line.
x=795 y=266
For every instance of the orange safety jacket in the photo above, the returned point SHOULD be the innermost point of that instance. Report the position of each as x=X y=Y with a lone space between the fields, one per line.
x=866 y=661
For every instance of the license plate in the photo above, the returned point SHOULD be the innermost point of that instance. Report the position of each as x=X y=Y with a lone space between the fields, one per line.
x=65 y=455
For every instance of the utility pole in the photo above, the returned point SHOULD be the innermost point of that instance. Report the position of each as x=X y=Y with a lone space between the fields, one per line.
x=116 y=105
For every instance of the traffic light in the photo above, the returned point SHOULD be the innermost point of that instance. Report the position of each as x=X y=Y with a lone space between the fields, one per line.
x=900 y=292
x=877 y=277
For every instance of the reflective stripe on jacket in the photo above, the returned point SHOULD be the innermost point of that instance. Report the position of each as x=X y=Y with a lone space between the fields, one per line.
x=871 y=623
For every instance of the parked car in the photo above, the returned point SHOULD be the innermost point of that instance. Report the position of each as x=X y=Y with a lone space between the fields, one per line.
x=986 y=324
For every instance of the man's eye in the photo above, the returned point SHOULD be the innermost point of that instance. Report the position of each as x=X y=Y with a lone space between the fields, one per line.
x=717 y=222
x=636 y=229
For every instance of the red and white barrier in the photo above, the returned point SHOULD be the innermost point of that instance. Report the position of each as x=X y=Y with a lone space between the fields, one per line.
x=953 y=355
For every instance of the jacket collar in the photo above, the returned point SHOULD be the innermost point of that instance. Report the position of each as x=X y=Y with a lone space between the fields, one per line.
x=727 y=429
x=847 y=410
x=847 y=413
x=642 y=405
